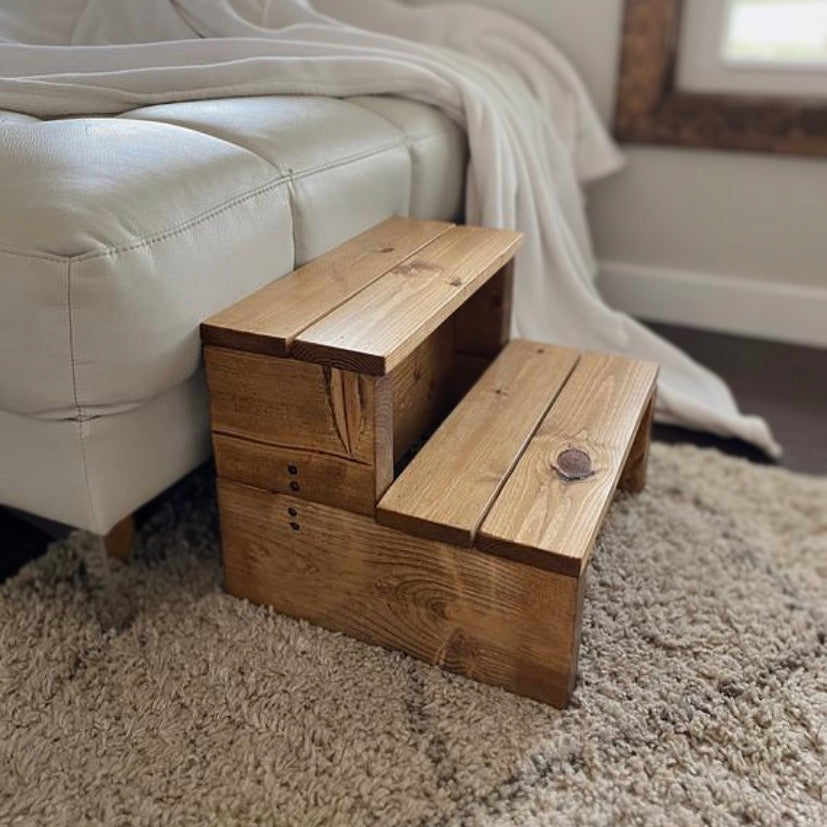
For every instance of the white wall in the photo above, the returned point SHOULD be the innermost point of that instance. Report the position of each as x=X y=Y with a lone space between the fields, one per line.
x=753 y=226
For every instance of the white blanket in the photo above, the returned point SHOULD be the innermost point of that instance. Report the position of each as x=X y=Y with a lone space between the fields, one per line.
x=532 y=131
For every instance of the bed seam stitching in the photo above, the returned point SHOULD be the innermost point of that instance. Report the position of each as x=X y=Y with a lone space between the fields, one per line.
x=93 y=513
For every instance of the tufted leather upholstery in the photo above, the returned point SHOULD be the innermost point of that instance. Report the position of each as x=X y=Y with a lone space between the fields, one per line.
x=119 y=235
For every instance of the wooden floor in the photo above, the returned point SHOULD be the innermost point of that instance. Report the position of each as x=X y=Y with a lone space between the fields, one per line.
x=785 y=384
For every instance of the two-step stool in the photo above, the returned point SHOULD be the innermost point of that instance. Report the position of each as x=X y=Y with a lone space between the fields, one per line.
x=391 y=467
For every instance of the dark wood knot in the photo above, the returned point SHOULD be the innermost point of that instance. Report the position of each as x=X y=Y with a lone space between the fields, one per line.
x=573 y=464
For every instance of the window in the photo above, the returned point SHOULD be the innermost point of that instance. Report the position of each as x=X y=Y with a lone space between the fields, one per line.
x=734 y=74
x=754 y=47
x=782 y=32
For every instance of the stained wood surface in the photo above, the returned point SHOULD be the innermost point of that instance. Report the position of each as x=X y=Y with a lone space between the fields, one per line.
x=290 y=403
x=449 y=486
x=483 y=323
x=305 y=474
x=633 y=476
x=268 y=320
x=544 y=519
x=383 y=435
x=381 y=325
x=426 y=386
x=493 y=620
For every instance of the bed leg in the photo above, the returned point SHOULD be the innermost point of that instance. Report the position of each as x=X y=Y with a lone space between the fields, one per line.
x=118 y=542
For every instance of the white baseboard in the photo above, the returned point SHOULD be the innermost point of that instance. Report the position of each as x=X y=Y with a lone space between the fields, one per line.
x=782 y=312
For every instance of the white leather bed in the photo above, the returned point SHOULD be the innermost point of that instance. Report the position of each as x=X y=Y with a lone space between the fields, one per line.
x=118 y=235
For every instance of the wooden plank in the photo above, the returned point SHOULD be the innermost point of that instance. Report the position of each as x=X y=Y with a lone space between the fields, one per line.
x=483 y=323
x=324 y=478
x=425 y=388
x=289 y=403
x=449 y=486
x=268 y=320
x=381 y=325
x=382 y=433
x=490 y=619
x=540 y=516
x=633 y=477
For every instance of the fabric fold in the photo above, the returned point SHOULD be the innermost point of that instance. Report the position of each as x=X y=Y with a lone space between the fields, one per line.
x=533 y=133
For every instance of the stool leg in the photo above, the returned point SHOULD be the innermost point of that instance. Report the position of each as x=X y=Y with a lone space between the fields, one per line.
x=118 y=542
x=633 y=477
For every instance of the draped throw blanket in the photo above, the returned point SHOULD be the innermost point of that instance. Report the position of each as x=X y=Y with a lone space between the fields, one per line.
x=534 y=137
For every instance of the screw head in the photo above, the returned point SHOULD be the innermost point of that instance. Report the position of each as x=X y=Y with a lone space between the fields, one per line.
x=291 y=469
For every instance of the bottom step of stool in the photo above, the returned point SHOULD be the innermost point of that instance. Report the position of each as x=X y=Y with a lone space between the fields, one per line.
x=478 y=560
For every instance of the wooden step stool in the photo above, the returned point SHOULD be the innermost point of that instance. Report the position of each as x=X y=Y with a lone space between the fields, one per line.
x=390 y=467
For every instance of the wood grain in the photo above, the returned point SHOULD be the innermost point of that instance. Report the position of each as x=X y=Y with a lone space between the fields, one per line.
x=539 y=516
x=483 y=323
x=290 y=403
x=305 y=474
x=633 y=476
x=268 y=320
x=426 y=386
x=490 y=619
x=449 y=486
x=374 y=331
x=383 y=434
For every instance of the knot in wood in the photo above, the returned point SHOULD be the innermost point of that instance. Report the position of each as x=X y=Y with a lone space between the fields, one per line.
x=573 y=464
x=418 y=268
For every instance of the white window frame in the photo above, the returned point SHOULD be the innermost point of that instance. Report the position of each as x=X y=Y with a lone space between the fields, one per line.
x=701 y=66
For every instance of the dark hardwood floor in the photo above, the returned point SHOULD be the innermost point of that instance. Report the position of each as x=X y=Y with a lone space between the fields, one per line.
x=785 y=384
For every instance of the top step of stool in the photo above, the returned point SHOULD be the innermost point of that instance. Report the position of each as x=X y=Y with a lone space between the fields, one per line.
x=369 y=303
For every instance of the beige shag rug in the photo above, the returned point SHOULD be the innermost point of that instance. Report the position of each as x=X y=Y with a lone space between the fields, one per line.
x=148 y=696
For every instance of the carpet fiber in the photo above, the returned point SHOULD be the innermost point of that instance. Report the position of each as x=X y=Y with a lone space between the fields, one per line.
x=142 y=694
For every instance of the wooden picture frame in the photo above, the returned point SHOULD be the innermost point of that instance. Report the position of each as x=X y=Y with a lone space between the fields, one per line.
x=651 y=109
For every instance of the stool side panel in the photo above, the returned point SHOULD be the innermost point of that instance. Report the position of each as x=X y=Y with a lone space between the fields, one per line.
x=483 y=322
x=289 y=403
x=633 y=477
x=427 y=385
x=490 y=619
x=383 y=434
